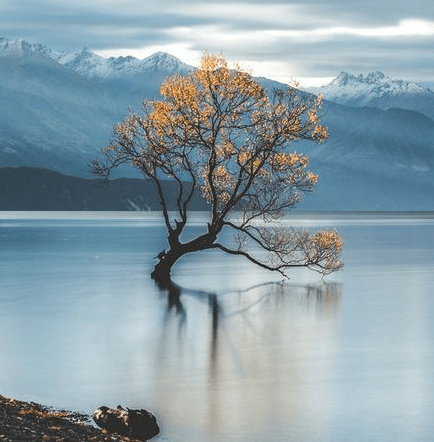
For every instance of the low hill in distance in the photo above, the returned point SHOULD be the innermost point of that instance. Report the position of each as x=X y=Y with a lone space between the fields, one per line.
x=26 y=188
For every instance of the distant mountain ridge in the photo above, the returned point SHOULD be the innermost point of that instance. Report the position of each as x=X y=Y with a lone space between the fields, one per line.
x=58 y=109
x=374 y=83
x=378 y=90
x=91 y=65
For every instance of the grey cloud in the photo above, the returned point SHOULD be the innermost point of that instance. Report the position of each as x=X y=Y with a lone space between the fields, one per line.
x=167 y=13
x=68 y=25
x=371 y=12
x=409 y=60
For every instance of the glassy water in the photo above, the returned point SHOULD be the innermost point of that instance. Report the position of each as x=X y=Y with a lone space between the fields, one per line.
x=239 y=355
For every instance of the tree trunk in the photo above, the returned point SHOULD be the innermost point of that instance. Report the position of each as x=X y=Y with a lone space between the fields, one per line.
x=161 y=272
x=162 y=269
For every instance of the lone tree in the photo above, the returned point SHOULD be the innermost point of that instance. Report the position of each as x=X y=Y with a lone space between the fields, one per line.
x=219 y=132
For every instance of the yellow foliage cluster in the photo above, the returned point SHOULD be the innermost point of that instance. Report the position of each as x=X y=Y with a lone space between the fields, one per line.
x=282 y=161
x=328 y=239
x=312 y=177
x=180 y=88
x=320 y=133
x=215 y=75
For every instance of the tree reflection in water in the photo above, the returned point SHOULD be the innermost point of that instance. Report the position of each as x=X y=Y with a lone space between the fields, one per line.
x=260 y=345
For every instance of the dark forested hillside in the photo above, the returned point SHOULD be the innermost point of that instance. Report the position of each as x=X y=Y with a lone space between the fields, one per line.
x=25 y=188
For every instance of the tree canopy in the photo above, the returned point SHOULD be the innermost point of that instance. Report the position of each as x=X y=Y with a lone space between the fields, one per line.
x=217 y=131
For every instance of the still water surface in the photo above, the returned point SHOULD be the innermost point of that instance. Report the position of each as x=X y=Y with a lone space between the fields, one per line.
x=239 y=356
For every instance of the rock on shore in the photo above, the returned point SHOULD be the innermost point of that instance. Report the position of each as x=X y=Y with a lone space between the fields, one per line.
x=30 y=422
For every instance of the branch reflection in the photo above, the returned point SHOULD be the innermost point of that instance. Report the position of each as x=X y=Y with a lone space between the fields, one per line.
x=240 y=347
x=323 y=298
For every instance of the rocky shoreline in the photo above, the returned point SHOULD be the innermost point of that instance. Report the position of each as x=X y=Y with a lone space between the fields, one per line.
x=30 y=422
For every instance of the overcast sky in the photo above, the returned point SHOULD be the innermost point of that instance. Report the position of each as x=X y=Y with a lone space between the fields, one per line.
x=308 y=40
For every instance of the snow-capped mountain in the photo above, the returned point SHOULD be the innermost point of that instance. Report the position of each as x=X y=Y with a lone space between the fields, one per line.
x=57 y=110
x=362 y=88
x=378 y=90
x=20 y=47
x=93 y=66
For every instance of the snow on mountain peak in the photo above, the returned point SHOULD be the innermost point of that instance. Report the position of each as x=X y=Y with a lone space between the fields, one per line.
x=22 y=47
x=360 y=90
x=91 y=65
x=165 y=61
x=342 y=79
x=373 y=78
x=84 y=62
x=345 y=79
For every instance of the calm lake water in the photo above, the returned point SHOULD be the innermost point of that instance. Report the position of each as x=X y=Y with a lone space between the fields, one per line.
x=239 y=356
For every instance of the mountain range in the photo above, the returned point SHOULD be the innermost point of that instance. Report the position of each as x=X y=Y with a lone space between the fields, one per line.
x=57 y=110
x=377 y=90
